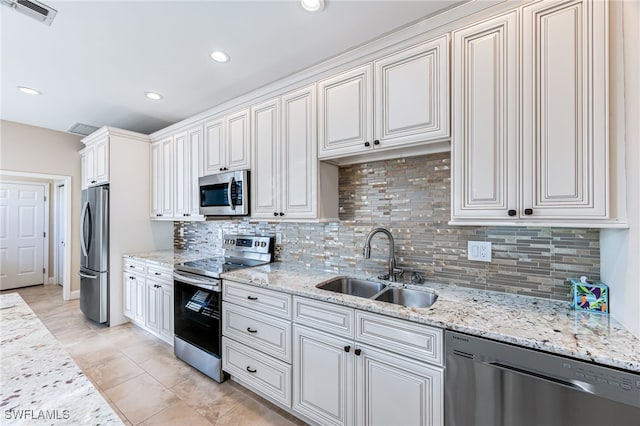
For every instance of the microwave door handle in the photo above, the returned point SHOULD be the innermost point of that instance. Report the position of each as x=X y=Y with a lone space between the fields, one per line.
x=83 y=238
x=232 y=182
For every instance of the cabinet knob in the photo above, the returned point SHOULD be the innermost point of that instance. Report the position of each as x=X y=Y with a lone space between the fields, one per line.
x=252 y=298
x=275 y=213
x=528 y=212
x=347 y=348
x=93 y=181
x=226 y=168
x=251 y=330
x=220 y=168
x=251 y=370
x=157 y=273
x=367 y=144
x=357 y=352
x=281 y=213
x=376 y=142
x=512 y=212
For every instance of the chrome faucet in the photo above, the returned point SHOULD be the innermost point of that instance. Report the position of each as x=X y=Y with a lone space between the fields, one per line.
x=366 y=252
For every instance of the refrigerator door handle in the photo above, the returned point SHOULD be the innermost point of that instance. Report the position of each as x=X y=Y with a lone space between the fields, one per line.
x=83 y=238
x=93 y=277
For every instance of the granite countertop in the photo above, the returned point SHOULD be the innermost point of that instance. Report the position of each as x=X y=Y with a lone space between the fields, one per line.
x=39 y=382
x=167 y=258
x=547 y=325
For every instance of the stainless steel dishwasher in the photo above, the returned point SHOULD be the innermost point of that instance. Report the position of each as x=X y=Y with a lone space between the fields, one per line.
x=491 y=383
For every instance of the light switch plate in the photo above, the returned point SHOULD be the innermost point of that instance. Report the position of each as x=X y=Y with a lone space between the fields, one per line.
x=479 y=250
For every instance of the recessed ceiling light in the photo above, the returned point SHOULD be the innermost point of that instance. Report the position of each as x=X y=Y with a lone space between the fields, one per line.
x=312 y=5
x=29 y=90
x=153 y=96
x=220 y=56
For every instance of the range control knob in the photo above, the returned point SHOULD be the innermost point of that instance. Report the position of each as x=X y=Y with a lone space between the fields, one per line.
x=263 y=244
x=256 y=243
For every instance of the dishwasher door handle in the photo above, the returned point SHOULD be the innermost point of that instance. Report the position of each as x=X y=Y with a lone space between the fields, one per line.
x=570 y=384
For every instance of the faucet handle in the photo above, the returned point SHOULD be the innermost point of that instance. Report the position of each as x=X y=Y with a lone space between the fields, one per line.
x=397 y=272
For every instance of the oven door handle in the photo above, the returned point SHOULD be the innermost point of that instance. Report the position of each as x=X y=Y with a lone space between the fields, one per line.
x=197 y=283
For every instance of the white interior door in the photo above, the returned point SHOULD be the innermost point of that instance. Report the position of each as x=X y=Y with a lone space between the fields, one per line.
x=60 y=219
x=22 y=208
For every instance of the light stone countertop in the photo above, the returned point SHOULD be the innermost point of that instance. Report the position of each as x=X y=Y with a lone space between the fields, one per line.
x=167 y=258
x=39 y=382
x=546 y=325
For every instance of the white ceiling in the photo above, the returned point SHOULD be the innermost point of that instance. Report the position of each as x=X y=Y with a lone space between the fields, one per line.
x=96 y=60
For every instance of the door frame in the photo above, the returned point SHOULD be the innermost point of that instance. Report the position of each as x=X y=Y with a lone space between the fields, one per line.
x=66 y=285
x=60 y=217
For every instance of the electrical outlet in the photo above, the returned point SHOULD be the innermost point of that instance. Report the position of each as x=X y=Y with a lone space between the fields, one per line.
x=278 y=237
x=479 y=250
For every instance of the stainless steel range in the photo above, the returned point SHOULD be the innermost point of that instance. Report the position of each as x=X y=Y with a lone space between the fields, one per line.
x=198 y=300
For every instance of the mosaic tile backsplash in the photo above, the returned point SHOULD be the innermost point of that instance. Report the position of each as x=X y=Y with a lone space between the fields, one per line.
x=411 y=198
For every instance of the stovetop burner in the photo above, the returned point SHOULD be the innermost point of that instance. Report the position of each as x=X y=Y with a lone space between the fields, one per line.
x=240 y=251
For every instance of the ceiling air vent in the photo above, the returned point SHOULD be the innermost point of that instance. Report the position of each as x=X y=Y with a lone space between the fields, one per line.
x=82 y=129
x=34 y=9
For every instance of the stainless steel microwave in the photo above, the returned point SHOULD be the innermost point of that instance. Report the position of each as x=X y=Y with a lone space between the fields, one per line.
x=225 y=194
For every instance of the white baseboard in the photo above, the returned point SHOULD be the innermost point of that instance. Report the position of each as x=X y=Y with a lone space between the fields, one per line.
x=74 y=295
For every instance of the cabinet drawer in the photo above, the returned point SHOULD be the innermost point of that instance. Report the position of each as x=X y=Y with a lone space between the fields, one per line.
x=262 y=332
x=324 y=316
x=159 y=273
x=135 y=266
x=406 y=338
x=265 y=375
x=257 y=299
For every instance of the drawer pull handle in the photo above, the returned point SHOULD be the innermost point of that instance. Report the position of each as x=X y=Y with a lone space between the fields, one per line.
x=252 y=298
x=157 y=273
x=251 y=370
x=251 y=330
x=131 y=266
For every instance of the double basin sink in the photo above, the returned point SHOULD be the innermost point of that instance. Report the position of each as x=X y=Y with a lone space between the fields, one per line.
x=380 y=292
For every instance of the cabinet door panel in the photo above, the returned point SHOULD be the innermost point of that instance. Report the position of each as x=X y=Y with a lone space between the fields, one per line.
x=299 y=156
x=90 y=154
x=156 y=179
x=129 y=294
x=323 y=379
x=265 y=173
x=165 y=325
x=167 y=174
x=181 y=178
x=151 y=319
x=412 y=92
x=214 y=140
x=237 y=146
x=140 y=300
x=565 y=143
x=345 y=112
x=386 y=382
x=102 y=161
x=194 y=171
x=484 y=145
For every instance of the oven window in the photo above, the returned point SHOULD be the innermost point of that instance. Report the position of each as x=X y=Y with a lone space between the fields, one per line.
x=217 y=195
x=197 y=316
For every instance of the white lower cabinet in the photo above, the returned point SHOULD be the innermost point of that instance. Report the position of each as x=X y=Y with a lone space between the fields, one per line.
x=148 y=297
x=339 y=380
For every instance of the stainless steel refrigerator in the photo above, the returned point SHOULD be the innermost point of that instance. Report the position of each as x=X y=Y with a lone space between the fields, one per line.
x=94 y=253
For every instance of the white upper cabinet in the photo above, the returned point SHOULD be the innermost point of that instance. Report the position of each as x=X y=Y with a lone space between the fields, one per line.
x=485 y=118
x=95 y=169
x=176 y=166
x=226 y=143
x=530 y=140
x=286 y=181
x=564 y=114
x=399 y=100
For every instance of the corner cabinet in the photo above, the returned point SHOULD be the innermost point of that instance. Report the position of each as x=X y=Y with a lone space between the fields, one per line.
x=397 y=101
x=175 y=168
x=226 y=143
x=530 y=139
x=287 y=180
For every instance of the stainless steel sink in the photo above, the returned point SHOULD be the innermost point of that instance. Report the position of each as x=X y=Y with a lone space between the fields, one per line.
x=407 y=297
x=353 y=287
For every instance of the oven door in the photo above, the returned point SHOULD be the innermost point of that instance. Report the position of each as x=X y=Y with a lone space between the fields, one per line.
x=197 y=311
x=225 y=194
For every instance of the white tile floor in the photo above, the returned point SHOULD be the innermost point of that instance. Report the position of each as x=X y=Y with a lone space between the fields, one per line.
x=139 y=375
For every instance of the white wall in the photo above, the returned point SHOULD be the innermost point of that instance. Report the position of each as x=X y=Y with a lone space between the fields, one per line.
x=620 y=249
x=25 y=148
